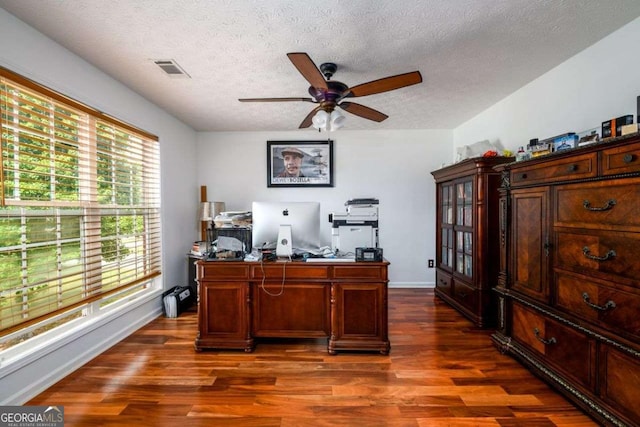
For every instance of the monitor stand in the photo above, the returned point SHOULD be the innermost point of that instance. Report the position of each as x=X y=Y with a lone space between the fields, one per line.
x=284 y=247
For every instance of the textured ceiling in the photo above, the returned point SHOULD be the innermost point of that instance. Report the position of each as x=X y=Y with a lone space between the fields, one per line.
x=471 y=53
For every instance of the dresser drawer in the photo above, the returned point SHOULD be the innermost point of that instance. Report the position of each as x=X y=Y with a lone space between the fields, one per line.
x=465 y=295
x=598 y=302
x=443 y=282
x=611 y=255
x=624 y=159
x=620 y=382
x=576 y=167
x=568 y=350
x=614 y=204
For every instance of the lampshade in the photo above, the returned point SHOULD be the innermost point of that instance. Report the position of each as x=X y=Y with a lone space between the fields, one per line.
x=320 y=120
x=328 y=122
x=209 y=210
x=336 y=121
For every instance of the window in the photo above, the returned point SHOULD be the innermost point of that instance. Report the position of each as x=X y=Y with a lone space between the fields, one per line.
x=79 y=206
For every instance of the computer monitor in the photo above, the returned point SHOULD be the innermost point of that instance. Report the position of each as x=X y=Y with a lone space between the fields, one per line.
x=302 y=217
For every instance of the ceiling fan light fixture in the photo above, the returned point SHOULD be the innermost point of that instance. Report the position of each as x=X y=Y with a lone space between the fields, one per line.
x=336 y=121
x=321 y=120
x=329 y=122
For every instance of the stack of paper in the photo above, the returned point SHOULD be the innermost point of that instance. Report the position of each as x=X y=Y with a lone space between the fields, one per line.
x=176 y=300
x=171 y=305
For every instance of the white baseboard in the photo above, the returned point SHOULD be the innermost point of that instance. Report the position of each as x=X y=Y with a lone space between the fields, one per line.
x=425 y=285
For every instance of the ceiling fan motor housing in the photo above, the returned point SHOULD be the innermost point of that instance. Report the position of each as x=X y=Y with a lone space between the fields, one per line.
x=328 y=69
x=335 y=92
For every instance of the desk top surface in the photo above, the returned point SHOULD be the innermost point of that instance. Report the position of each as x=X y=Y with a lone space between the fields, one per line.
x=317 y=261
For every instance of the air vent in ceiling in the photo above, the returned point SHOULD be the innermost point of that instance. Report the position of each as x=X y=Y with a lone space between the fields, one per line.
x=171 y=67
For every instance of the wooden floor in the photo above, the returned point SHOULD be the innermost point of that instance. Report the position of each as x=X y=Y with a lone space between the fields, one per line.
x=441 y=372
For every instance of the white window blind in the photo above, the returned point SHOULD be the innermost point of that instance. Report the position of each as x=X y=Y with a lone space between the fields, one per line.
x=79 y=204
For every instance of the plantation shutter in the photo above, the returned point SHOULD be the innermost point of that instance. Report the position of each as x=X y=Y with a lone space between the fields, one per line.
x=79 y=204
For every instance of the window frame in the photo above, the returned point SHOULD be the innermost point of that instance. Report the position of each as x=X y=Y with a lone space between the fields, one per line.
x=145 y=215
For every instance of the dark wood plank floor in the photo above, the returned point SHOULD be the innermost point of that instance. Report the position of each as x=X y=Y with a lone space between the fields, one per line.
x=441 y=372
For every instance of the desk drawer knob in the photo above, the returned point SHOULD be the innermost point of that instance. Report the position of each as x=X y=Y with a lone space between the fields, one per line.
x=607 y=306
x=550 y=341
x=628 y=158
x=572 y=168
x=587 y=254
x=608 y=205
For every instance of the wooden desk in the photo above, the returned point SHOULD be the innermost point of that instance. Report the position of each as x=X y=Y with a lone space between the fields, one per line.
x=242 y=301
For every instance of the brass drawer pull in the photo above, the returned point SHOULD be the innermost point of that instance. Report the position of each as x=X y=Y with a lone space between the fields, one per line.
x=628 y=158
x=610 y=204
x=572 y=168
x=587 y=253
x=550 y=341
x=608 y=305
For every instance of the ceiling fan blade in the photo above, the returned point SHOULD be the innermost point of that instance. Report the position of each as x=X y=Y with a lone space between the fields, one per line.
x=386 y=84
x=309 y=119
x=275 y=99
x=362 y=111
x=308 y=69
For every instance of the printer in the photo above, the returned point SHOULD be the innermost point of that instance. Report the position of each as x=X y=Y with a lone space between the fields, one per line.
x=355 y=228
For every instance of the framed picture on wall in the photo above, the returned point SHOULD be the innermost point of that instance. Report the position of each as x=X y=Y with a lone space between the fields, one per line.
x=300 y=163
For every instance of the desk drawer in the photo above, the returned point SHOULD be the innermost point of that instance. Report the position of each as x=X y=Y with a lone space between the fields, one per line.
x=289 y=270
x=375 y=272
x=218 y=270
x=576 y=167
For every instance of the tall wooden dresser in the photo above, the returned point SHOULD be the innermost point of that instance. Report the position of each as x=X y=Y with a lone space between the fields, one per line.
x=569 y=285
x=466 y=237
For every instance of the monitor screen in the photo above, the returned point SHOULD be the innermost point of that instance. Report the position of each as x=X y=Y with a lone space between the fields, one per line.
x=303 y=217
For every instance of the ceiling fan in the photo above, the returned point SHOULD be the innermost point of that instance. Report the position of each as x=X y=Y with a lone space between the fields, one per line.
x=329 y=94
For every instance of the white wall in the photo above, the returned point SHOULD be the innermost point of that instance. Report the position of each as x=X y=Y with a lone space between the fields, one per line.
x=599 y=83
x=393 y=166
x=28 y=52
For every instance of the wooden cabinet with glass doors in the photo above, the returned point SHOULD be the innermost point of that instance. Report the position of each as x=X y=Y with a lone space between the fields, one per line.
x=467 y=257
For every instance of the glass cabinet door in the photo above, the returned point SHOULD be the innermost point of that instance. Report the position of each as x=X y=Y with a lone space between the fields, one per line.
x=463 y=228
x=446 y=229
x=464 y=253
x=464 y=203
